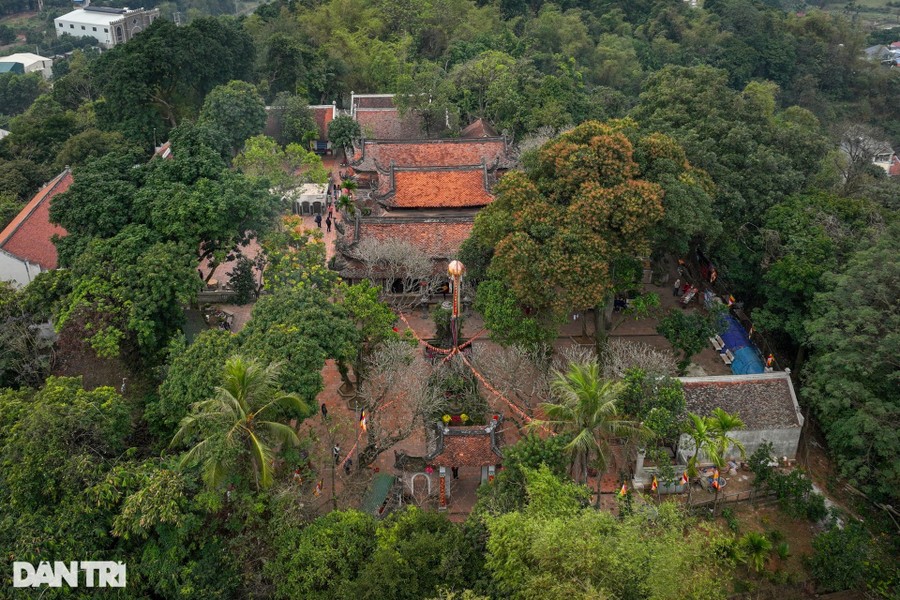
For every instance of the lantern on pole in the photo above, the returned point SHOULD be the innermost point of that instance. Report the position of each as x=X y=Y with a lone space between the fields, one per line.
x=455 y=269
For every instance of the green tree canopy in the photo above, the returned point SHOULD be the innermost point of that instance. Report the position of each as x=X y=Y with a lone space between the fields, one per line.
x=192 y=375
x=852 y=380
x=532 y=553
x=557 y=231
x=299 y=328
x=237 y=109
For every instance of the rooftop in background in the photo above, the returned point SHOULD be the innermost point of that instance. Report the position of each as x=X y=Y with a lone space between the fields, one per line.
x=370 y=101
x=379 y=119
x=479 y=128
x=438 y=237
x=323 y=114
x=379 y=154
x=164 y=151
x=28 y=236
x=26 y=58
x=764 y=401
x=437 y=187
x=93 y=16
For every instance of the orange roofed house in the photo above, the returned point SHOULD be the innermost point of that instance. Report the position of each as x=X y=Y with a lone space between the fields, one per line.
x=426 y=192
x=26 y=244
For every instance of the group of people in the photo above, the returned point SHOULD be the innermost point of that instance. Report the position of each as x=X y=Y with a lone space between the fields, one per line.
x=329 y=219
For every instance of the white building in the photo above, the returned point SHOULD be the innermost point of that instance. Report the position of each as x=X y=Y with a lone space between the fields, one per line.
x=109 y=26
x=26 y=63
x=3 y=133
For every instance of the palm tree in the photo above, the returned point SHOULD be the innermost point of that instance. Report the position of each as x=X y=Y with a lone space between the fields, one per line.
x=586 y=409
x=755 y=549
x=703 y=440
x=709 y=436
x=232 y=421
x=345 y=203
x=721 y=424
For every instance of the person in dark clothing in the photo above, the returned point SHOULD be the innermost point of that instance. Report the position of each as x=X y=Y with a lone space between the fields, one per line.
x=324 y=411
x=318 y=220
x=328 y=224
x=455 y=471
x=347 y=466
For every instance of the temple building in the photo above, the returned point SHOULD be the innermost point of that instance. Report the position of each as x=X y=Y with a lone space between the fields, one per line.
x=424 y=191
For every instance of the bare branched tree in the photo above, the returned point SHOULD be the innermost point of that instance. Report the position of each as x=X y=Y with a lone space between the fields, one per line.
x=621 y=355
x=575 y=354
x=860 y=144
x=521 y=375
x=396 y=395
x=406 y=273
x=26 y=350
x=534 y=141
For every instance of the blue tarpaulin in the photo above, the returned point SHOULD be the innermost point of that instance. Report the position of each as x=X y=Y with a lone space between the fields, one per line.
x=746 y=357
x=747 y=361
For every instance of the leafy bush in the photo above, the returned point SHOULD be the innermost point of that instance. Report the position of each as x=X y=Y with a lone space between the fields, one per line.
x=783 y=550
x=728 y=515
x=840 y=558
x=794 y=490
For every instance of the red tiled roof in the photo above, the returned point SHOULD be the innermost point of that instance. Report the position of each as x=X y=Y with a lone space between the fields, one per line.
x=28 y=236
x=438 y=238
x=466 y=452
x=323 y=116
x=387 y=124
x=478 y=129
x=465 y=447
x=438 y=188
x=430 y=153
x=164 y=151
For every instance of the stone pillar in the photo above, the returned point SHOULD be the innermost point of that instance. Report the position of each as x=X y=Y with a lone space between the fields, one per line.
x=484 y=474
x=492 y=470
x=442 y=500
x=639 y=463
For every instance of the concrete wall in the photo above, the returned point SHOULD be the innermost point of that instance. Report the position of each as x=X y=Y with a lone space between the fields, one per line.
x=16 y=270
x=101 y=33
x=784 y=443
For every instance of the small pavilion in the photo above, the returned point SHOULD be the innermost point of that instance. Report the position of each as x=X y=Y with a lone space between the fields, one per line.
x=464 y=446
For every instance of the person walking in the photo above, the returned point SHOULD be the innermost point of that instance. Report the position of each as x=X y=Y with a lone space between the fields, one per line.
x=328 y=224
x=336 y=451
x=455 y=471
x=318 y=221
x=347 y=466
x=324 y=411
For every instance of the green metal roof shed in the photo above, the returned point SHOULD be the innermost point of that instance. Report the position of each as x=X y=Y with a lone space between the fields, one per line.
x=376 y=498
